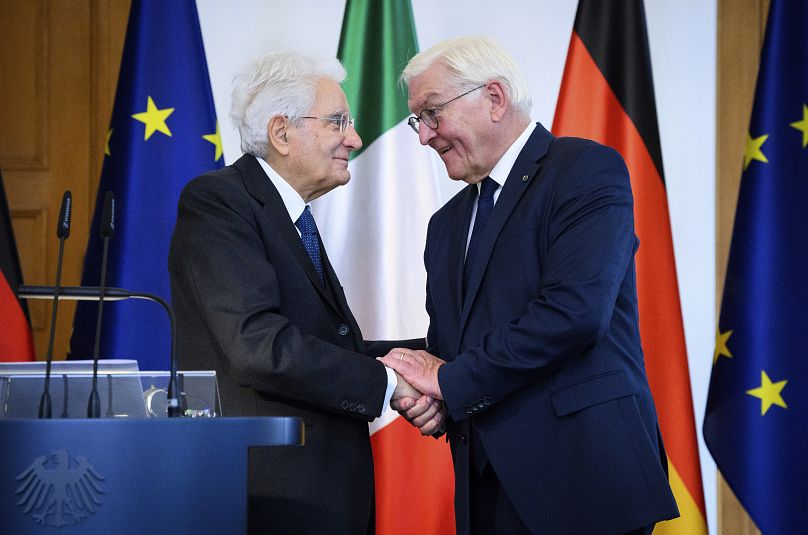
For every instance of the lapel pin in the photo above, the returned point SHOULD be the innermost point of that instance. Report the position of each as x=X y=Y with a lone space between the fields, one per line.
x=524 y=178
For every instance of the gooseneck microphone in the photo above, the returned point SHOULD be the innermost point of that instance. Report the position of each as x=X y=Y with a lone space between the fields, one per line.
x=62 y=232
x=107 y=230
x=93 y=293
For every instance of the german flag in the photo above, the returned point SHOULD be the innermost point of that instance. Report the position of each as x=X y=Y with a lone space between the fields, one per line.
x=16 y=341
x=607 y=94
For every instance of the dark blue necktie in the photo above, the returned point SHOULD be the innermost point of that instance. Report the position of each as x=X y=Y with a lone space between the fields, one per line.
x=485 y=203
x=311 y=240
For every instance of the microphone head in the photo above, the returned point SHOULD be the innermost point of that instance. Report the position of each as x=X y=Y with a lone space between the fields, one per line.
x=108 y=216
x=63 y=228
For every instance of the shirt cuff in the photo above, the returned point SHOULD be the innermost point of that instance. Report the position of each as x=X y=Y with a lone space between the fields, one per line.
x=392 y=383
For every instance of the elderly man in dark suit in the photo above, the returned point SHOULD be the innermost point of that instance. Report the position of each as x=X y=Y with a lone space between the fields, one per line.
x=533 y=310
x=258 y=301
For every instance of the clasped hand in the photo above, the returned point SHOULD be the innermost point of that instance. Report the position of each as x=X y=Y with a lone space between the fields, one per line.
x=417 y=397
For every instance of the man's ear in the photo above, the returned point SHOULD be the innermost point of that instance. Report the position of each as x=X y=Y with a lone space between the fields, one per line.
x=278 y=134
x=497 y=98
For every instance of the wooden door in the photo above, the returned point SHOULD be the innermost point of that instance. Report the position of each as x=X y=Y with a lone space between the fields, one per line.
x=58 y=69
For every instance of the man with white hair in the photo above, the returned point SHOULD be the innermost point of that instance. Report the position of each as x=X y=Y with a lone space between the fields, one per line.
x=258 y=301
x=533 y=312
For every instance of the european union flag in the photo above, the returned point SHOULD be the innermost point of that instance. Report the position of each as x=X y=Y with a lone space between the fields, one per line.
x=162 y=134
x=756 y=424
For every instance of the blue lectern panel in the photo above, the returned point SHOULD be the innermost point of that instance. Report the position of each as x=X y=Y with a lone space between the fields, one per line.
x=131 y=475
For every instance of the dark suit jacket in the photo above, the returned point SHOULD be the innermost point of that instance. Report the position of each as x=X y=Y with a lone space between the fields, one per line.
x=250 y=306
x=544 y=354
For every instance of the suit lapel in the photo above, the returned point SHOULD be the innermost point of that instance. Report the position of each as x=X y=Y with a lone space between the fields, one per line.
x=523 y=173
x=261 y=188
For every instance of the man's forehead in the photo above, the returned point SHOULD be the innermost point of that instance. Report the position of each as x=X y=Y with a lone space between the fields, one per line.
x=418 y=102
x=427 y=88
x=329 y=97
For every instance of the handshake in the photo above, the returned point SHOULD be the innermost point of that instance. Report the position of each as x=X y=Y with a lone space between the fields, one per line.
x=417 y=396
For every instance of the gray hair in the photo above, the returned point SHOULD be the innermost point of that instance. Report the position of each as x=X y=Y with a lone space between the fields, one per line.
x=472 y=61
x=281 y=83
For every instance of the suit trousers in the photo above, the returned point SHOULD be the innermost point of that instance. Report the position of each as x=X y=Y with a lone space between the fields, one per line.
x=492 y=513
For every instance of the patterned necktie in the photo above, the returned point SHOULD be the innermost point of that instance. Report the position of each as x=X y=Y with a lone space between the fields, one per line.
x=485 y=203
x=311 y=240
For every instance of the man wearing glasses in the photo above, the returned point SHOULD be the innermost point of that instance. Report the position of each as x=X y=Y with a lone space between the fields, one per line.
x=258 y=301
x=533 y=312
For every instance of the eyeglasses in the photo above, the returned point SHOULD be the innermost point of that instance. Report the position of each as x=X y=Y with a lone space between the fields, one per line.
x=343 y=121
x=429 y=116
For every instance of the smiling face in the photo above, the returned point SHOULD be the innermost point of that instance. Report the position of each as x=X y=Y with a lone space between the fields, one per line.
x=318 y=155
x=465 y=126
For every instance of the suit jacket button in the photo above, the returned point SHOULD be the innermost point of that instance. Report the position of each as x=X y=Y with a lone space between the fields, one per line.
x=462 y=439
x=344 y=404
x=352 y=406
x=361 y=408
x=343 y=330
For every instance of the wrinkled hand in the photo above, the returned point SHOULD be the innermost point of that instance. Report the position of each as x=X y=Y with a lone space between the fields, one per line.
x=418 y=368
x=404 y=390
x=422 y=411
x=425 y=413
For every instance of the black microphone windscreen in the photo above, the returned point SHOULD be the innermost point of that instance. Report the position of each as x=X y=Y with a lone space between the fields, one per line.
x=108 y=216
x=63 y=229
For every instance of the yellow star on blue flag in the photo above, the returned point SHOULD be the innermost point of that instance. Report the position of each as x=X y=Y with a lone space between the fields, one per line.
x=768 y=393
x=721 y=349
x=216 y=139
x=154 y=119
x=753 y=150
x=802 y=125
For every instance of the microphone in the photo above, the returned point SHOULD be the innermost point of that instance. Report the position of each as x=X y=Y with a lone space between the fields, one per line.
x=107 y=229
x=93 y=293
x=108 y=217
x=62 y=232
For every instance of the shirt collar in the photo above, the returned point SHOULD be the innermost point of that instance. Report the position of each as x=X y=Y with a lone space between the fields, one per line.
x=503 y=167
x=292 y=200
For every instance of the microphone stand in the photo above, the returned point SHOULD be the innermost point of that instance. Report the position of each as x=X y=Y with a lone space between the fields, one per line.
x=62 y=232
x=64 y=398
x=93 y=293
x=94 y=403
x=107 y=229
x=45 y=406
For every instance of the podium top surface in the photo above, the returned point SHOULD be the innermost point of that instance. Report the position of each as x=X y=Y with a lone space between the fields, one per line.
x=252 y=431
x=58 y=367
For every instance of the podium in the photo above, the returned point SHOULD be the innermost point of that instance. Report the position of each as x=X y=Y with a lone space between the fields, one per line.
x=131 y=475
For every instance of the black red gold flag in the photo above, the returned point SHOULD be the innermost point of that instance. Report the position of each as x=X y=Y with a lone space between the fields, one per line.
x=607 y=94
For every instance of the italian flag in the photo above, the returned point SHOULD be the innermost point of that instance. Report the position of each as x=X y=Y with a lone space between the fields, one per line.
x=607 y=94
x=374 y=230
